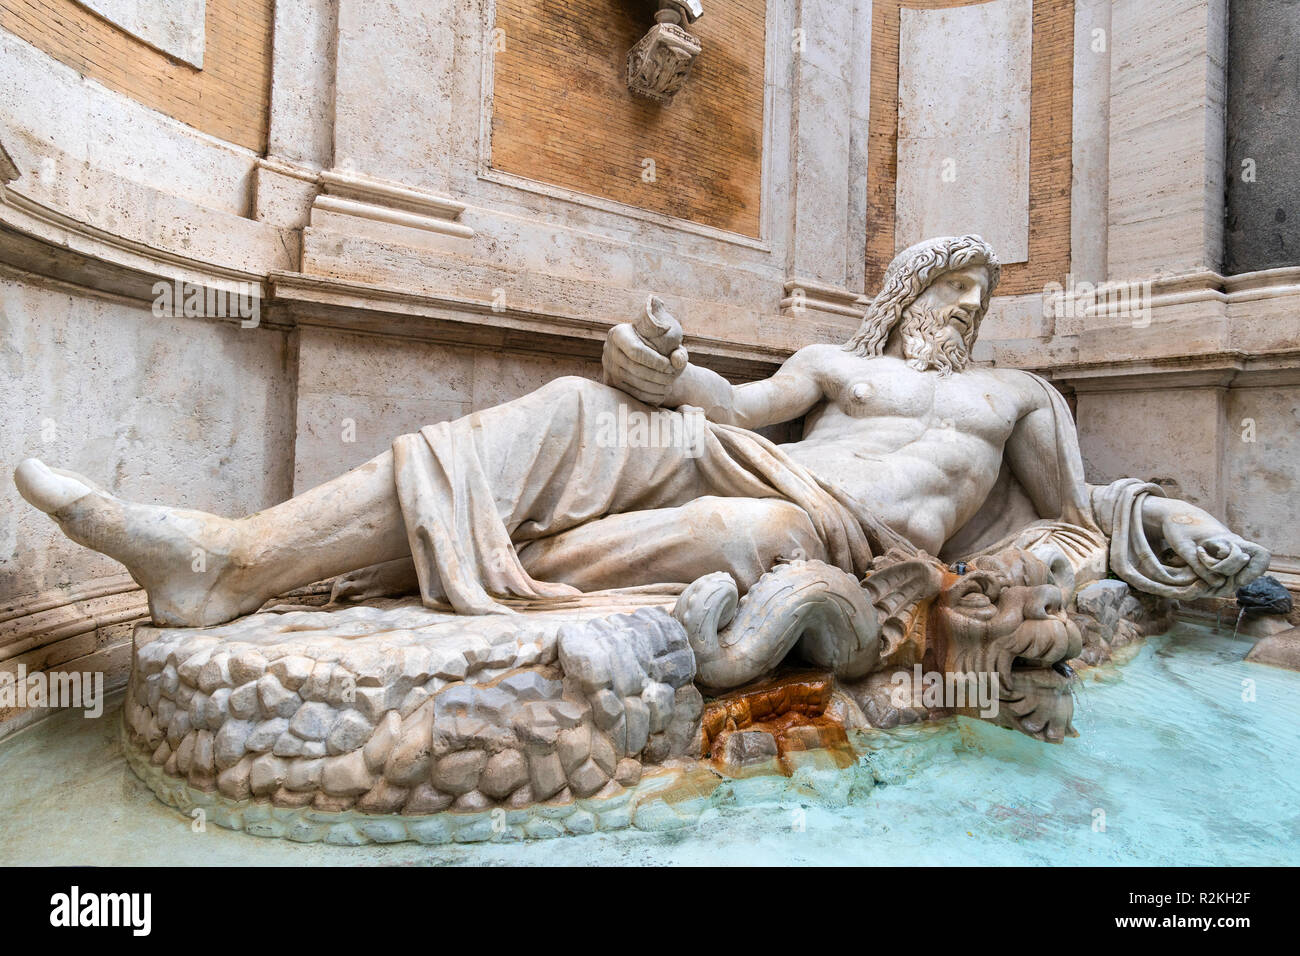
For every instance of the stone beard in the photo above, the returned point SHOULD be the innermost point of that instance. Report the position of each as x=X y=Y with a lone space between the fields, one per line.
x=930 y=340
x=925 y=305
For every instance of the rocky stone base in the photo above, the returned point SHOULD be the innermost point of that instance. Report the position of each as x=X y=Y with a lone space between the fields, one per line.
x=395 y=722
x=1111 y=615
x=661 y=801
x=1281 y=649
x=669 y=798
x=407 y=710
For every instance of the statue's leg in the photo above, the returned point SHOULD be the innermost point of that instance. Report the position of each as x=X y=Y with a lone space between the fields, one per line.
x=201 y=569
x=544 y=464
x=743 y=536
x=574 y=452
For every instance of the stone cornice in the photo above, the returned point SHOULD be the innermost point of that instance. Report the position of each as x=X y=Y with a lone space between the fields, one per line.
x=801 y=294
x=458 y=320
x=54 y=616
x=39 y=238
x=1204 y=286
x=1218 y=369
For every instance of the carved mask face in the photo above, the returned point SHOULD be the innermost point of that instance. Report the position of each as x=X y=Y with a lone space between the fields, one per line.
x=1006 y=617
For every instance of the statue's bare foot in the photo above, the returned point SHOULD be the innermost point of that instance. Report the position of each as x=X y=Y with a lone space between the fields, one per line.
x=189 y=562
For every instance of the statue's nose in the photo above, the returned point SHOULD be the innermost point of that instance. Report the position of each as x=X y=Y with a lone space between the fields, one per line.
x=1043 y=601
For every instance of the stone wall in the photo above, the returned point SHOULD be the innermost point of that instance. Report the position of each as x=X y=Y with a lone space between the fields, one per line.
x=356 y=393
x=144 y=404
x=226 y=98
x=987 y=122
x=1200 y=363
x=411 y=264
x=1263 y=228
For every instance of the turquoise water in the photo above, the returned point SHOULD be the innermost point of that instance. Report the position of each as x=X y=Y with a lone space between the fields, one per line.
x=1183 y=768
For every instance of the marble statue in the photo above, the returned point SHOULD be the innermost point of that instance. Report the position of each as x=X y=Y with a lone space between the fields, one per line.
x=923 y=489
x=624 y=578
x=905 y=444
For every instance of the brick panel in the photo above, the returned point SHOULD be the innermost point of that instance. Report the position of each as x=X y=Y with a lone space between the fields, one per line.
x=1051 y=113
x=563 y=114
x=229 y=98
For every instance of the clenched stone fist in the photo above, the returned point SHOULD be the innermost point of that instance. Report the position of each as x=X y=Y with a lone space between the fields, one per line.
x=1225 y=561
x=645 y=358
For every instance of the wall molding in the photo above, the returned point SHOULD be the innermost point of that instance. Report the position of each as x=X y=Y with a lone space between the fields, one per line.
x=86 y=627
x=350 y=194
x=803 y=294
x=360 y=307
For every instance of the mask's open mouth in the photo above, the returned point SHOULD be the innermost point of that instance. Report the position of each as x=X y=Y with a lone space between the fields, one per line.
x=1040 y=705
x=1035 y=695
x=1058 y=670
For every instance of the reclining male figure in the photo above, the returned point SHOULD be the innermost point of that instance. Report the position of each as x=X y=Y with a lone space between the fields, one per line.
x=903 y=441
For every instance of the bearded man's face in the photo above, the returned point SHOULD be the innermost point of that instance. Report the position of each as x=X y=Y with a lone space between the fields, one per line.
x=939 y=328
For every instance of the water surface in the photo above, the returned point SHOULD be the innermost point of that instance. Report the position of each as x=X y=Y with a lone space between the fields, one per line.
x=1187 y=756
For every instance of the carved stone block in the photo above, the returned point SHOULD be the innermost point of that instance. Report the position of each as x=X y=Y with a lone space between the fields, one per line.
x=661 y=61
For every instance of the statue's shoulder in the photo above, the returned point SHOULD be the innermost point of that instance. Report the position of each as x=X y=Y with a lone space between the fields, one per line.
x=1015 y=376
x=1034 y=390
x=816 y=359
x=819 y=352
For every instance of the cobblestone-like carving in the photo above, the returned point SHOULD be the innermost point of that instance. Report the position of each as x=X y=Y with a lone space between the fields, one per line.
x=409 y=711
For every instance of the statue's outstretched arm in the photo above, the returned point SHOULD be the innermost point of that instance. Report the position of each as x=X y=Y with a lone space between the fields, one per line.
x=1172 y=548
x=1157 y=545
x=645 y=359
x=793 y=391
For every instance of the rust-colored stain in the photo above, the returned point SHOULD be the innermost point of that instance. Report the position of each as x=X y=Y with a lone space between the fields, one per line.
x=791 y=707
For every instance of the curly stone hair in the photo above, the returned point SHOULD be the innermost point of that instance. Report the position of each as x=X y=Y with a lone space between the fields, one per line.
x=907 y=277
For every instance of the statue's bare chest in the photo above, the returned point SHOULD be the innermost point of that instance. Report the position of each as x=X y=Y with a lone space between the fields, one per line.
x=973 y=402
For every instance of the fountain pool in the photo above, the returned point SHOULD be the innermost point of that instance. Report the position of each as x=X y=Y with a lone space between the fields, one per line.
x=1187 y=756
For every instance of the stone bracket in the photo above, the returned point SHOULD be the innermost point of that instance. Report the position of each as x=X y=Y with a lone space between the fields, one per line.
x=349 y=194
x=802 y=295
x=657 y=67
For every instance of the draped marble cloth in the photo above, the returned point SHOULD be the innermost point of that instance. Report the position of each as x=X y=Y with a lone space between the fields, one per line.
x=535 y=484
x=477 y=491
x=1062 y=530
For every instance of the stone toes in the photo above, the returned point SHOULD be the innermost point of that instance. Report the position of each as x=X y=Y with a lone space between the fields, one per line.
x=48 y=489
